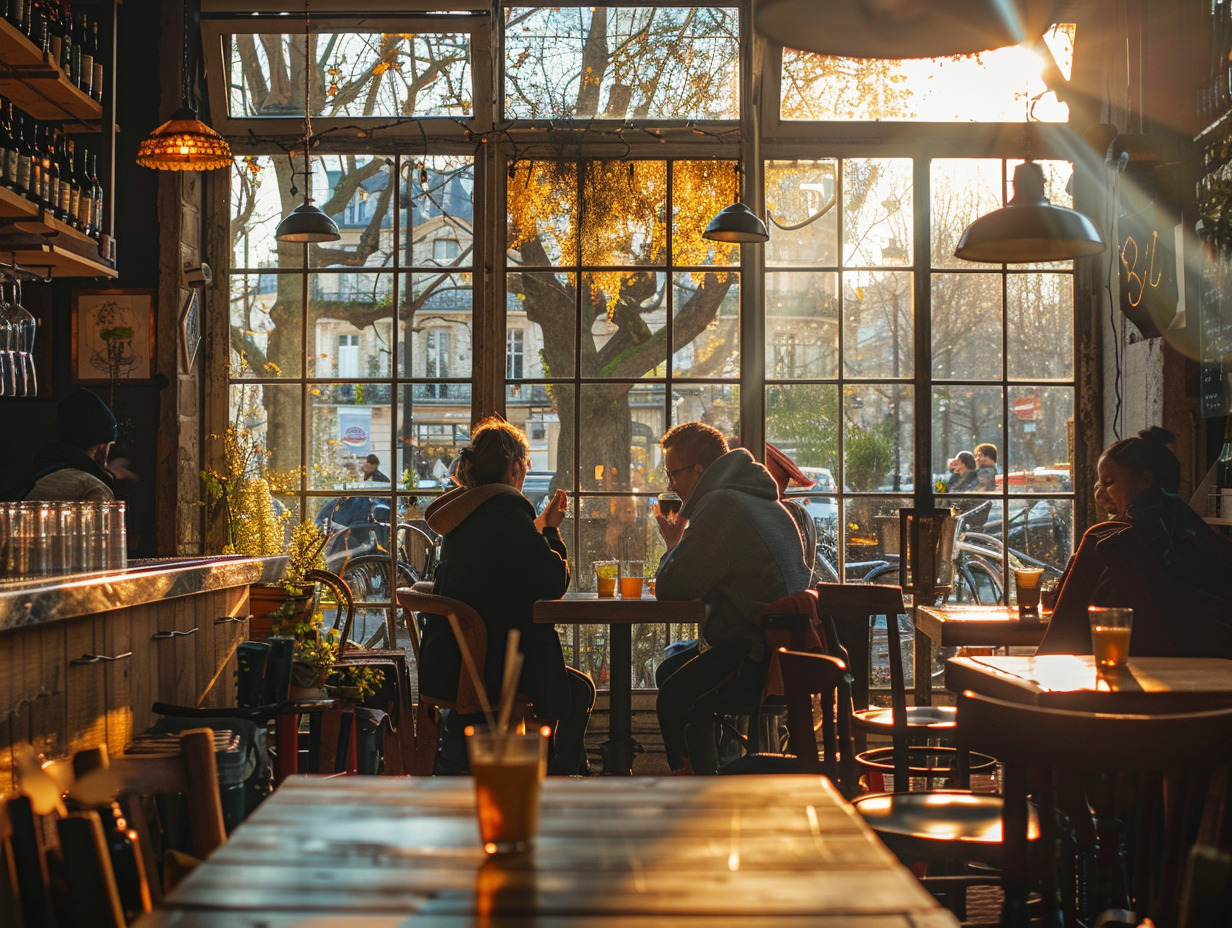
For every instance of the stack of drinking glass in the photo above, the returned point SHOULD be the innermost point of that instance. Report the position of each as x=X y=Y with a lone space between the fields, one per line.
x=39 y=539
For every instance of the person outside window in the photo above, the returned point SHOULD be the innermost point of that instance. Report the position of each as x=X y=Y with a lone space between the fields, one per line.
x=498 y=557
x=964 y=474
x=986 y=467
x=372 y=469
x=734 y=547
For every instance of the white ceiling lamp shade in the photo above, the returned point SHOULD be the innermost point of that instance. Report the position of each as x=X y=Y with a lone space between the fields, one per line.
x=1029 y=229
x=897 y=29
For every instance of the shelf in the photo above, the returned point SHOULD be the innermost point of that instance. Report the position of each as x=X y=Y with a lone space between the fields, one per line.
x=44 y=243
x=37 y=85
x=13 y=206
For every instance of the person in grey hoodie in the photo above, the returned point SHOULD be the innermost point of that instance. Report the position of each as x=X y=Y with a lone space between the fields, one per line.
x=498 y=557
x=736 y=548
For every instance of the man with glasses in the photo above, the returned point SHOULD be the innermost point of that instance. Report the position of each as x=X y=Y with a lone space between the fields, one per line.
x=735 y=548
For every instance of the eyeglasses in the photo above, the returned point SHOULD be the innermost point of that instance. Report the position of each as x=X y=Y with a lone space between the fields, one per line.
x=671 y=474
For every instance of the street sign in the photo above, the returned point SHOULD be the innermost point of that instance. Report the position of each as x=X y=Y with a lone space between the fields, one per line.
x=1027 y=407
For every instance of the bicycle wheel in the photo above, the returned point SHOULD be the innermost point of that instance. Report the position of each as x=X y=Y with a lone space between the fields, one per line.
x=368 y=576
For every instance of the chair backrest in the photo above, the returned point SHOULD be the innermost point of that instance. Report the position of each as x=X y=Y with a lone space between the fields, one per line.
x=344 y=614
x=417 y=548
x=807 y=529
x=792 y=622
x=1147 y=778
x=851 y=605
x=819 y=697
x=447 y=663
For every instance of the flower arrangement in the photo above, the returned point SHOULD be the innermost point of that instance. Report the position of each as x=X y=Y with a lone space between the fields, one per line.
x=316 y=654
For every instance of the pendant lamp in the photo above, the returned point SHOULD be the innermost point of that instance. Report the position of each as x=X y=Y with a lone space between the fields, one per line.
x=184 y=143
x=1029 y=229
x=900 y=28
x=736 y=223
x=307 y=223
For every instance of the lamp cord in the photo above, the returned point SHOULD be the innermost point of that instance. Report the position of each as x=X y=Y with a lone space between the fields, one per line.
x=307 y=101
x=184 y=100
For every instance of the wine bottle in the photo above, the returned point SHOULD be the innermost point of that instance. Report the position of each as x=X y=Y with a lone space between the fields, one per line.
x=85 y=207
x=6 y=143
x=96 y=82
x=55 y=31
x=51 y=170
x=68 y=181
x=24 y=159
x=96 y=200
x=85 y=68
x=1223 y=473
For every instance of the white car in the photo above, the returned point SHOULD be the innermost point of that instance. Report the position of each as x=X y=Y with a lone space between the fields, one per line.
x=823 y=509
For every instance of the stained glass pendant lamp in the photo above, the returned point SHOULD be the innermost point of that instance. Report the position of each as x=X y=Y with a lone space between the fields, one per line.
x=184 y=143
x=307 y=223
x=1029 y=229
x=900 y=28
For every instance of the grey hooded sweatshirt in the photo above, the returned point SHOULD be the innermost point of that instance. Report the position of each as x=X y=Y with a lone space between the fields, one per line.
x=740 y=552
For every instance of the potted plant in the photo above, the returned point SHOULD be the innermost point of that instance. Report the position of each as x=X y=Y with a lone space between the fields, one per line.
x=241 y=495
x=313 y=671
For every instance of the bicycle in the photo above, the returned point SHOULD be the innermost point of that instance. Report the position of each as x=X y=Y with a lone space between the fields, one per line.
x=375 y=577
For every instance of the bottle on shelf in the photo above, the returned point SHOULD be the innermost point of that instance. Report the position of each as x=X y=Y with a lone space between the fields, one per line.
x=8 y=146
x=1223 y=474
x=95 y=229
x=25 y=159
x=96 y=82
x=68 y=181
x=85 y=201
x=85 y=56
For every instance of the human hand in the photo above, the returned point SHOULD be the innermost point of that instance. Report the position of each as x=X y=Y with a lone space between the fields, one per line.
x=119 y=469
x=670 y=529
x=554 y=512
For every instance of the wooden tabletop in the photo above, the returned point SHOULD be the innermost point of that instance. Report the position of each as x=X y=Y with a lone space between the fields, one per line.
x=703 y=851
x=590 y=609
x=1068 y=681
x=979 y=626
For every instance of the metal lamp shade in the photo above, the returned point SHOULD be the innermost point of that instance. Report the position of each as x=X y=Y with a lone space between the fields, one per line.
x=736 y=223
x=307 y=223
x=1029 y=229
x=184 y=143
x=900 y=28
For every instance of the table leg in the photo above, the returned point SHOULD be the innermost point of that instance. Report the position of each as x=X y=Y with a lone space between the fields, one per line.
x=620 y=700
x=286 y=737
x=923 y=669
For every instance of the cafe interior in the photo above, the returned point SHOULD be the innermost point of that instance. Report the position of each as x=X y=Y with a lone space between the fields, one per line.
x=926 y=260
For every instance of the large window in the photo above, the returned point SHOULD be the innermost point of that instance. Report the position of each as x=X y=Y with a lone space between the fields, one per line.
x=522 y=234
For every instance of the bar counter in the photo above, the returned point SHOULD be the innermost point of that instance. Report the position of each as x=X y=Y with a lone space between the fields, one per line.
x=48 y=599
x=84 y=657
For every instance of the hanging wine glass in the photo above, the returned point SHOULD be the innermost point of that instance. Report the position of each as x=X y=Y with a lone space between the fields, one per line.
x=25 y=327
x=8 y=385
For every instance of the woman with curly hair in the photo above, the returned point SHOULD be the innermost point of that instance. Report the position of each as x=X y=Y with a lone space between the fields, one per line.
x=1157 y=557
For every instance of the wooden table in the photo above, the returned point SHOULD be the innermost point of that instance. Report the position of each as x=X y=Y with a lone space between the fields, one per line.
x=968 y=626
x=704 y=852
x=619 y=615
x=1069 y=681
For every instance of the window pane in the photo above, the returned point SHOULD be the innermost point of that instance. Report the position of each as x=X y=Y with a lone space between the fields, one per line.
x=989 y=87
x=271 y=416
x=615 y=528
x=435 y=327
x=623 y=205
x=350 y=325
x=802 y=422
x=621 y=424
x=877 y=437
x=1038 y=457
x=1037 y=529
x=706 y=317
x=621 y=63
x=354 y=191
x=699 y=190
x=543 y=305
x=379 y=75
x=964 y=417
x=966 y=336
x=439 y=223
x=963 y=189
x=870 y=536
x=543 y=212
x=878 y=323
x=877 y=211
x=1040 y=324
x=626 y=310
x=800 y=207
x=252 y=301
x=801 y=325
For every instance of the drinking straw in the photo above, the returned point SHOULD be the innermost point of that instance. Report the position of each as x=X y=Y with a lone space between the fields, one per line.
x=470 y=668
x=509 y=681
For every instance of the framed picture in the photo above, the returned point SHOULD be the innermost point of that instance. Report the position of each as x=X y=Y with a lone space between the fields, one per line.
x=113 y=336
x=190 y=328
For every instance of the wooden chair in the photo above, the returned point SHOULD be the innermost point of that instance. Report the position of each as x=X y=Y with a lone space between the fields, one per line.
x=1146 y=778
x=853 y=607
x=941 y=827
x=74 y=883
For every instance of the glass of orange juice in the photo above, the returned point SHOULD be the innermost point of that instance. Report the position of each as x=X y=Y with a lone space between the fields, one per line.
x=508 y=769
x=606 y=574
x=1110 y=629
x=631 y=579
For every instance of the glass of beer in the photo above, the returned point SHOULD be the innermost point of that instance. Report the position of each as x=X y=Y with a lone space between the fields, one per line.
x=1110 y=628
x=508 y=769
x=1027 y=587
x=669 y=506
x=631 y=575
x=606 y=574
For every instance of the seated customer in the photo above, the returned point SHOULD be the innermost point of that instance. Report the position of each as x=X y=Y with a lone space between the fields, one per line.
x=734 y=547
x=498 y=557
x=1157 y=557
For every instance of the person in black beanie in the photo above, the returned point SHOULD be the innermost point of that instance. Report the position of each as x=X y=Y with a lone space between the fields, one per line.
x=73 y=467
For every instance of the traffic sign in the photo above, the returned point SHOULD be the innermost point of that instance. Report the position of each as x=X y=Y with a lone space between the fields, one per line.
x=1027 y=407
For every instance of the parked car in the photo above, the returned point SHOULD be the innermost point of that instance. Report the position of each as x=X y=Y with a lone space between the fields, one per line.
x=823 y=509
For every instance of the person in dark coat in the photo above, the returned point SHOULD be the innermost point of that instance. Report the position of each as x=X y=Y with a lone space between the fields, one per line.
x=498 y=557
x=1156 y=556
x=74 y=466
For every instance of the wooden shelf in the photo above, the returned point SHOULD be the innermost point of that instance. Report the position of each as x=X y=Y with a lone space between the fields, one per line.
x=13 y=206
x=36 y=85
x=42 y=243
